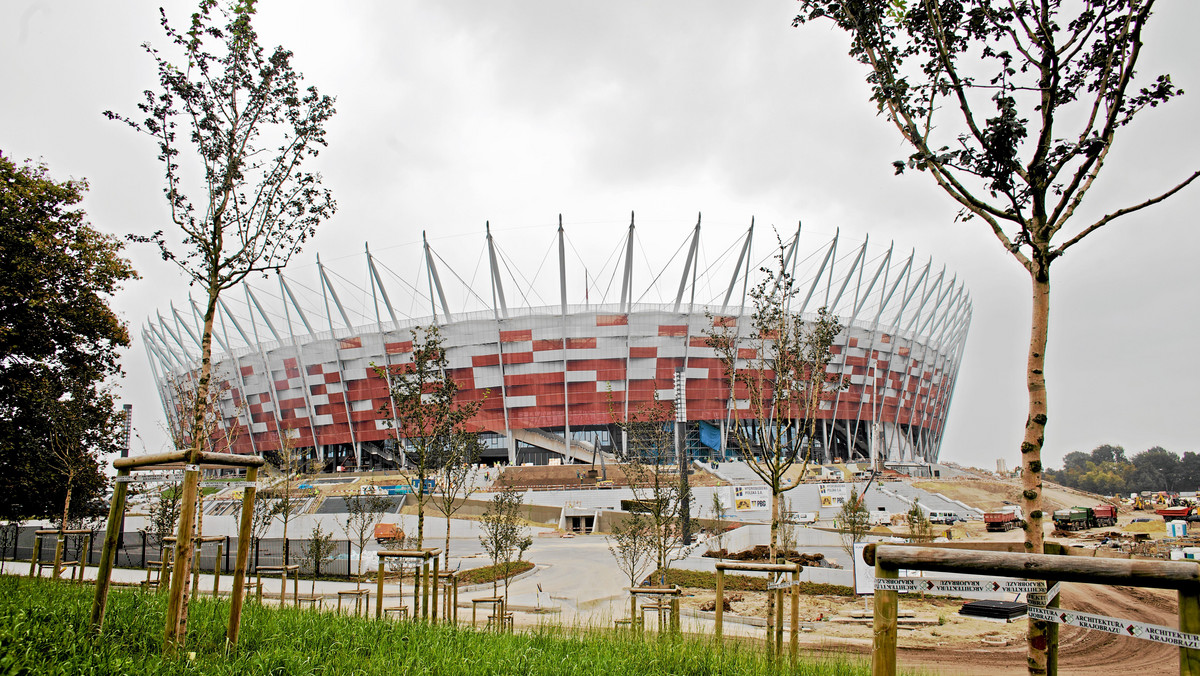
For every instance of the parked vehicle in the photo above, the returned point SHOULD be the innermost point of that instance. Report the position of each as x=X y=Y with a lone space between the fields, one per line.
x=942 y=517
x=1003 y=519
x=1171 y=513
x=388 y=534
x=1106 y=515
x=1075 y=518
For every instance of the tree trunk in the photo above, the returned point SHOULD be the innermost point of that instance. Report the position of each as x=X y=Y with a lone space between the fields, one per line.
x=62 y=538
x=1031 y=448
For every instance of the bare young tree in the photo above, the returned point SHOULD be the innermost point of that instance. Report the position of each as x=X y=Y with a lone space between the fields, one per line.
x=501 y=531
x=919 y=527
x=634 y=546
x=853 y=521
x=251 y=129
x=456 y=478
x=1013 y=108
x=293 y=466
x=317 y=550
x=720 y=522
x=428 y=417
x=653 y=476
x=364 y=511
x=782 y=384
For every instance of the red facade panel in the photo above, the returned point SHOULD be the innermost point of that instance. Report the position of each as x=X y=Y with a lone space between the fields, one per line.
x=581 y=343
x=543 y=345
x=516 y=336
x=612 y=320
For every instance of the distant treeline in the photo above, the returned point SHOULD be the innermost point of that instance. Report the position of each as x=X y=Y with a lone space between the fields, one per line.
x=1107 y=471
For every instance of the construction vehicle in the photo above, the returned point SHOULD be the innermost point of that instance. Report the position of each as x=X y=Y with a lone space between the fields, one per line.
x=1105 y=516
x=1003 y=519
x=1139 y=503
x=1075 y=518
x=389 y=534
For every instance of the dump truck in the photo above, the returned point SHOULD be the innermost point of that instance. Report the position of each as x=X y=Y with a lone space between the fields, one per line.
x=1105 y=516
x=388 y=534
x=1005 y=518
x=1075 y=518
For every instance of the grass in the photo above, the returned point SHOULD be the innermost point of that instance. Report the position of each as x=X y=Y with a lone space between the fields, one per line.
x=43 y=630
x=696 y=579
x=494 y=572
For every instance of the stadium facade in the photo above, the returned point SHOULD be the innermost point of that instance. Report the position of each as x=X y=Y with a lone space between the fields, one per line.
x=554 y=379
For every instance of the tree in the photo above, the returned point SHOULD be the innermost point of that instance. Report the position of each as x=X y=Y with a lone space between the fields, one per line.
x=1157 y=469
x=164 y=514
x=318 y=550
x=250 y=130
x=634 y=546
x=456 y=477
x=428 y=420
x=720 y=522
x=60 y=343
x=1012 y=108
x=501 y=531
x=364 y=512
x=783 y=383
x=920 y=529
x=293 y=465
x=652 y=473
x=854 y=522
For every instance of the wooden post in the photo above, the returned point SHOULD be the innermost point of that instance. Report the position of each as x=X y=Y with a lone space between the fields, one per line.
x=795 y=647
x=36 y=557
x=85 y=554
x=434 y=580
x=296 y=587
x=720 y=600
x=283 y=586
x=164 y=572
x=1052 y=636
x=379 y=592
x=109 y=554
x=1189 y=622
x=196 y=565
x=675 y=624
x=883 y=653
x=424 y=589
x=779 y=622
x=175 y=632
x=243 y=556
x=416 y=587
x=454 y=603
x=217 y=569
x=58 y=553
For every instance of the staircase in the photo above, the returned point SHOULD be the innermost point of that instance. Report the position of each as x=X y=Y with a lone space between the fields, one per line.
x=580 y=450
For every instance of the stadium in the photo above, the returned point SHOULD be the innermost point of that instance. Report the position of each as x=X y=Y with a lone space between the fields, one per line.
x=296 y=355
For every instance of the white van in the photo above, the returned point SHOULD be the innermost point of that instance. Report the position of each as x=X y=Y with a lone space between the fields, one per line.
x=942 y=517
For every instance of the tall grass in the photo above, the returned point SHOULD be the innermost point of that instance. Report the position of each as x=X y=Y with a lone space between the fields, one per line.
x=43 y=630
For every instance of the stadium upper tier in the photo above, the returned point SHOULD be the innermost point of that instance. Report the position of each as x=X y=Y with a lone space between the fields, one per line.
x=555 y=378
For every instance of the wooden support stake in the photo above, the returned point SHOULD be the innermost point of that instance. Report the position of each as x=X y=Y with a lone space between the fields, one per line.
x=883 y=653
x=36 y=557
x=175 y=632
x=778 y=622
x=108 y=554
x=217 y=569
x=720 y=600
x=58 y=554
x=434 y=580
x=795 y=647
x=424 y=589
x=379 y=592
x=243 y=556
x=1189 y=622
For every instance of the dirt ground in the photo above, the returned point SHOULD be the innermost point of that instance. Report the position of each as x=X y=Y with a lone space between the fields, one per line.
x=948 y=643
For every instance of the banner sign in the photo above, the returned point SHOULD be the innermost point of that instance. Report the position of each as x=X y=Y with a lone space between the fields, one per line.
x=150 y=478
x=1037 y=599
x=751 y=498
x=960 y=586
x=833 y=495
x=1112 y=625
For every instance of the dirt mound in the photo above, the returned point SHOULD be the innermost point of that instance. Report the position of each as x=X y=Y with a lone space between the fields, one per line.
x=560 y=475
x=762 y=554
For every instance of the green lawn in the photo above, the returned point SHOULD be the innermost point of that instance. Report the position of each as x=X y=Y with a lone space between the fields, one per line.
x=43 y=630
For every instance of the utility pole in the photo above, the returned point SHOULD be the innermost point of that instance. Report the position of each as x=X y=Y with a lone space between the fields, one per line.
x=685 y=494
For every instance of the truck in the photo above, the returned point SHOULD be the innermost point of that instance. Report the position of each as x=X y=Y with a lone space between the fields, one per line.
x=1003 y=519
x=1075 y=518
x=388 y=534
x=1105 y=515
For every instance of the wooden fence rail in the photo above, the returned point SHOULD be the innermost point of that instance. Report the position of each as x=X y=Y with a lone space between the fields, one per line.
x=889 y=559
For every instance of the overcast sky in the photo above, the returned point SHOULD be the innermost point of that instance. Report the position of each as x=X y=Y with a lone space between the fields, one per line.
x=451 y=114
